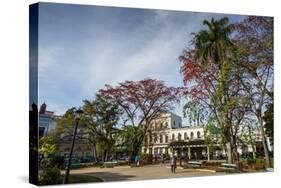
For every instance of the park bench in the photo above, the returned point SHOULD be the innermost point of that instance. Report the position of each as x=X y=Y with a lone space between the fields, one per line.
x=194 y=163
x=80 y=165
x=229 y=167
x=109 y=164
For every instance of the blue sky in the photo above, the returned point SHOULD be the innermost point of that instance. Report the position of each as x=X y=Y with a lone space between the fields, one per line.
x=82 y=48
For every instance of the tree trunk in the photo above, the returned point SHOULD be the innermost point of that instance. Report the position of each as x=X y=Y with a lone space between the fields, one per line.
x=105 y=155
x=231 y=147
x=254 y=151
x=135 y=151
x=229 y=152
x=234 y=150
x=264 y=144
x=94 y=152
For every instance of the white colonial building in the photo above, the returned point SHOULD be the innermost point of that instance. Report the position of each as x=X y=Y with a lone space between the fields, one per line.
x=167 y=135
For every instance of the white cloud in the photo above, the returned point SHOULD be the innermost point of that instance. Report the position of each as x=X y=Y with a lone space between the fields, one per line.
x=71 y=71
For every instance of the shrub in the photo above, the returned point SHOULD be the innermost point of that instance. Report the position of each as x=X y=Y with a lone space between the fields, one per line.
x=259 y=160
x=147 y=158
x=45 y=163
x=122 y=163
x=97 y=164
x=50 y=176
x=57 y=161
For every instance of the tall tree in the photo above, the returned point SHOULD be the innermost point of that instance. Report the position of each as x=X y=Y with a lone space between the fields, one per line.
x=208 y=73
x=101 y=117
x=142 y=102
x=254 y=36
x=97 y=125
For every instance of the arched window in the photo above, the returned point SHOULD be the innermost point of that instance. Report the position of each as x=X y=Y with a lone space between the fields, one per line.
x=150 y=138
x=191 y=135
x=144 y=150
x=155 y=138
x=161 y=126
x=166 y=138
x=179 y=137
x=161 y=138
x=198 y=134
x=173 y=137
x=166 y=125
x=185 y=136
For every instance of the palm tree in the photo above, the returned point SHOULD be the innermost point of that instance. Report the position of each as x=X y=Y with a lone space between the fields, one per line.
x=214 y=45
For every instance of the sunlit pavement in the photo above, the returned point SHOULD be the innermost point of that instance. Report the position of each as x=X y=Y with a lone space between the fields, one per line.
x=126 y=173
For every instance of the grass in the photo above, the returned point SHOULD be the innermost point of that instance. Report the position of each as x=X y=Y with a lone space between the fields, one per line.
x=82 y=178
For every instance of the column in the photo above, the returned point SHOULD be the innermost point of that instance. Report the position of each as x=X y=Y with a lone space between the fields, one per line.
x=170 y=151
x=189 y=153
x=208 y=153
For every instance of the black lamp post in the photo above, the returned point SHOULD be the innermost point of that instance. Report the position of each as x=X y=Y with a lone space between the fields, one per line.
x=78 y=114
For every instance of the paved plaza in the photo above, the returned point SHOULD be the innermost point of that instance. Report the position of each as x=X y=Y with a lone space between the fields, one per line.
x=126 y=173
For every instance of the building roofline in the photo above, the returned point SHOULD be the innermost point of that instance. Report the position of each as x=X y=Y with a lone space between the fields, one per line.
x=187 y=127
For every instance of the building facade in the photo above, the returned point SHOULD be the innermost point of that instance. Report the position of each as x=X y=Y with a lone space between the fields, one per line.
x=47 y=121
x=167 y=135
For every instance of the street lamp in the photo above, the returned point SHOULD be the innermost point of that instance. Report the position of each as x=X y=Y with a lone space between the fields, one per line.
x=78 y=114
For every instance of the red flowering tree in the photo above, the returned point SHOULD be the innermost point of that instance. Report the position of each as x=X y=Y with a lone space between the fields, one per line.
x=210 y=78
x=142 y=101
x=229 y=69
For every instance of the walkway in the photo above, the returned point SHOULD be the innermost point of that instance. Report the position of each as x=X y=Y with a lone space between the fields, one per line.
x=125 y=173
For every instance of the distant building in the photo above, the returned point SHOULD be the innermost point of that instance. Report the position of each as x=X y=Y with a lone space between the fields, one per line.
x=47 y=120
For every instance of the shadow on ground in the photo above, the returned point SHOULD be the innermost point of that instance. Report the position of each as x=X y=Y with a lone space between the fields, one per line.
x=111 y=176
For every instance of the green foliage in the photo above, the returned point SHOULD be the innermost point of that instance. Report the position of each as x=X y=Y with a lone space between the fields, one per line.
x=101 y=117
x=57 y=161
x=212 y=133
x=97 y=125
x=47 y=146
x=52 y=161
x=50 y=176
x=214 y=43
x=130 y=136
x=195 y=112
x=260 y=161
x=65 y=126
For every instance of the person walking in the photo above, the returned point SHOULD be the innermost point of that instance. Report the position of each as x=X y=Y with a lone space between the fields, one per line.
x=137 y=160
x=173 y=164
x=162 y=159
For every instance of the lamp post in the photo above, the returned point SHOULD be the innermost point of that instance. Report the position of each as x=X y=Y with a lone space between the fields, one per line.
x=78 y=114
